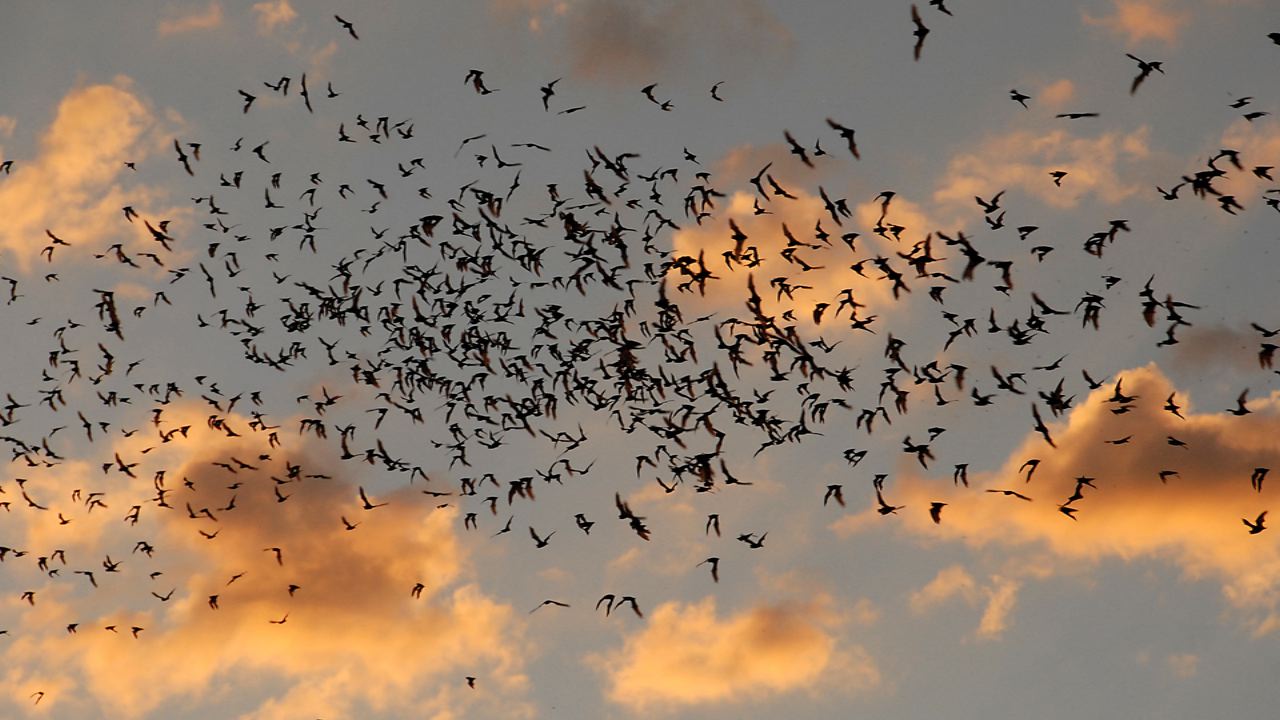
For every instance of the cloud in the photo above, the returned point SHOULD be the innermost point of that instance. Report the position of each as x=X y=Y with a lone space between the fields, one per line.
x=616 y=41
x=1183 y=665
x=687 y=655
x=207 y=19
x=277 y=20
x=354 y=641
x=950 y=582
x=1001 y=596
x=77 y=185
x=274 y=14
x=903 y=212
x=742 y=162
x=1095 y=166
x=767 y=239
x=322 y=57
x=1137 y=21
x=1258 y=143
x=1192 y=519
x=533 y=13
x=1057 y=94
x=7 y=126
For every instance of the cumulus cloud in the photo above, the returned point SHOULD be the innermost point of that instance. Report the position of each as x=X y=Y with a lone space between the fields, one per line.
x=1095 y=166
x=687 y=655
x=353 y=640
x=77 y=185
x=191 y=20
x=1192 y=518
x=1136 y=21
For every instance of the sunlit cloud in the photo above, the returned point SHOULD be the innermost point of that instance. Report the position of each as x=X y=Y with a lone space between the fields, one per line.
x=1136 y=21
x=1258 y=144
x=1192 y=517
x=688 y=655
x=911 y=216
x=78 y=183
x=950 y=582
x=1056 y=94
x=1097 y=167
x=191 y=20
x=336 y=619
x=774 y=275
x=1000 y=595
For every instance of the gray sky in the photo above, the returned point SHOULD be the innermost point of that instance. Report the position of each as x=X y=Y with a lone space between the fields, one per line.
x=1153 y=600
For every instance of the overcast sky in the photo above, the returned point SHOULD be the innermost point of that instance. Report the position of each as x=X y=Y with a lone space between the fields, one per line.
x=263 y=454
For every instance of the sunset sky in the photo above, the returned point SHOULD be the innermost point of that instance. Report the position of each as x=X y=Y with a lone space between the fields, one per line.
x=316 y=425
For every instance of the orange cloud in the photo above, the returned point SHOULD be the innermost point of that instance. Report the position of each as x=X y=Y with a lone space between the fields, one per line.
x=76 y=186
x=905 y=213
x=1023 y=159
x=1001 y=596
x=1057 y=94
x=948 y=583
x=353 y=640
x=766 y=240
x=207 y=19
x=1192 y=518
x=1139 y=20
x=687 y=655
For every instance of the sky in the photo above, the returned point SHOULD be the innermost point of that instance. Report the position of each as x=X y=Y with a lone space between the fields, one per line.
x=881 y=376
